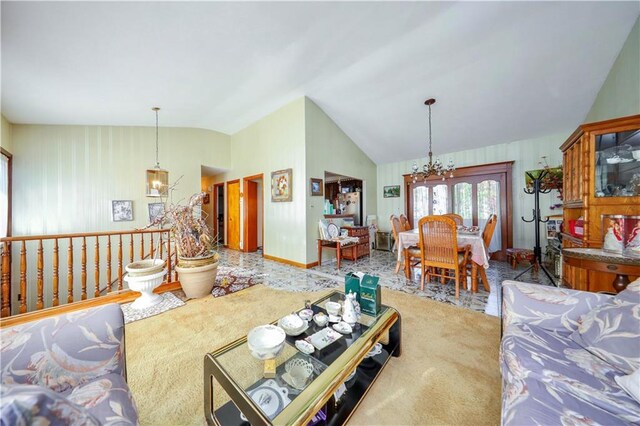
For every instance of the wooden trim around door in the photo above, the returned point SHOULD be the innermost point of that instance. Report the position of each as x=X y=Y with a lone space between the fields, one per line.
x=216 y=188
x=226 y=201
x=9 y=188
x=245 y=211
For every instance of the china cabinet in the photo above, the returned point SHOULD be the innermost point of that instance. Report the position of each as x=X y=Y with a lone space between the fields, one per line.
x=601 y=164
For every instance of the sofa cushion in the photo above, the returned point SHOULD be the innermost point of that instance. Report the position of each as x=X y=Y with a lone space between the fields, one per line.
x=631 y=383
x=108 y=399
x=630 y=294
x=611 y=331
x=64 y=351
x=32 y=404
x=550 y=357
x=531 y=402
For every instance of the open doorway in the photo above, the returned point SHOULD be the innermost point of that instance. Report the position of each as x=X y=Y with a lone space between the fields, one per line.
x=253 y=213
x=344 y=195
x=218 y=212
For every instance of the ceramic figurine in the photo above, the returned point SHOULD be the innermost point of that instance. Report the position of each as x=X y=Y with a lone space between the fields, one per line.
x=349 y=314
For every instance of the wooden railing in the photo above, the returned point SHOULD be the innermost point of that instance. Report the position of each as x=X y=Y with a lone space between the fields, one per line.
x=44 y=252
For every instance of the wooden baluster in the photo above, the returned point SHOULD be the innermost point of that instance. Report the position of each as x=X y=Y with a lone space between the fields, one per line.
x=131 y=249
x=169 y=258
x=23 y=278
x=96 y=274
x=120 y=262
x=141 y=246
x=6 y=280
x=152 y=247
x=108 y=263
x=40 y=280
x=70 y=271
x=161 y=246
x=56 y=276
x=83 y=275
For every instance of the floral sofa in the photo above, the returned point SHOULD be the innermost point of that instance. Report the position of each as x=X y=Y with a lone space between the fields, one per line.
x=570 y=357
x=66 y=369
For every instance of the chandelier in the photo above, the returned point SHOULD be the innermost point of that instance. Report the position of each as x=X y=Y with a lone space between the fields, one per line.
x=433 y=168
x=157 y=178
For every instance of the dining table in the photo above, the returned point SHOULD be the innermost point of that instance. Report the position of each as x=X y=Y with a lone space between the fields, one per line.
x=479 y=253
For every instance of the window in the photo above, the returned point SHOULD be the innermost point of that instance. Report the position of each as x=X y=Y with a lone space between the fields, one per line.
x=475 y=193
x=5 y=194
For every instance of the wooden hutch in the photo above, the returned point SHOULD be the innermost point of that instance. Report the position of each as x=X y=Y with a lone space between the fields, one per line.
x=588 y=166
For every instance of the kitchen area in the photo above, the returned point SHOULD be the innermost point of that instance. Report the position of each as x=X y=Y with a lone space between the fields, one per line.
x=343 y=199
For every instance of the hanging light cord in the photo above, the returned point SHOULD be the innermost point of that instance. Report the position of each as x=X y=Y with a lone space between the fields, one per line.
x=157 y=162
x=430 y=151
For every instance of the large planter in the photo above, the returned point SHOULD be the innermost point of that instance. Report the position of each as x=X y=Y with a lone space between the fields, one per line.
x=197 y=276
x=145 y=284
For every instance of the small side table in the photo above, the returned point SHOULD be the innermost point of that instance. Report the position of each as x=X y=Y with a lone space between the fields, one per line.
x=516 y=255
x=332 y=245
x=603 y=261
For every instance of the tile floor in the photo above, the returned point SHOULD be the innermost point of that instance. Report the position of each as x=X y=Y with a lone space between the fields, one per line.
x=382 y=264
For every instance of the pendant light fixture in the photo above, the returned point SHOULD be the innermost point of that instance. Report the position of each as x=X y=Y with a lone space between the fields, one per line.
x=432 y=167
x=157 y=178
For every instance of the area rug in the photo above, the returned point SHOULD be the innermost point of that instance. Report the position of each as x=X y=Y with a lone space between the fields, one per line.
x=169 y=301
x=232 y=279
x=448 y=372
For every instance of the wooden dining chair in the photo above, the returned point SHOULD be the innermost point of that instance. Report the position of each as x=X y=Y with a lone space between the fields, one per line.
x=395 y=229
x=489 y=229
x=456 y=218
x=404 y=223
x=439 y=251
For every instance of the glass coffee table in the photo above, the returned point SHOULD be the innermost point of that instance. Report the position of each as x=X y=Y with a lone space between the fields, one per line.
x=343 y=372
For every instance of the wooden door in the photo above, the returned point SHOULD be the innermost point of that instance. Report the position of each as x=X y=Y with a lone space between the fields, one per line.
x=250 y=216
x=233 y=214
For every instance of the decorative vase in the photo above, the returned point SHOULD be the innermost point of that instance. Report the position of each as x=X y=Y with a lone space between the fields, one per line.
x=145 y=284
x=197 y=276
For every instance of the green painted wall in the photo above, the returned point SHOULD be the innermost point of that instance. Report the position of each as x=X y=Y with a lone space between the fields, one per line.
x=619 y=96
x=6 y=141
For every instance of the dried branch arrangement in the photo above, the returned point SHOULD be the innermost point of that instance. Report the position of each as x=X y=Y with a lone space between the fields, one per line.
x=192 y=235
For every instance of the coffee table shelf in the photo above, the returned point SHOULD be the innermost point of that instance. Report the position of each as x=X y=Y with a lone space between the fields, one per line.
x=230 y=369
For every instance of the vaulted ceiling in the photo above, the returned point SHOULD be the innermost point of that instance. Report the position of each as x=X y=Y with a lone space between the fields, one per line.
x=500 y=71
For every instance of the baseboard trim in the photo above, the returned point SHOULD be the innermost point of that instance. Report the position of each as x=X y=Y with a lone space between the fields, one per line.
x=290 y=262
x=122 y=296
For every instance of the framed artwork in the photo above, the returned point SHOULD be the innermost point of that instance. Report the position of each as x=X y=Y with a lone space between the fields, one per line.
x=121 y=210
x=155 y=210
x=553 y=226
x=392 y=191
x=316 y=187
x=281 y=190
x=206 y=198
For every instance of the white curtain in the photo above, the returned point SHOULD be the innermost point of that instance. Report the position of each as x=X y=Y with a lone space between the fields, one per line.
x=4 y=195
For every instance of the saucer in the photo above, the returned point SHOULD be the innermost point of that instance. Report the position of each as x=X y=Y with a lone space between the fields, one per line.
x=334 y=318
x=343 y=327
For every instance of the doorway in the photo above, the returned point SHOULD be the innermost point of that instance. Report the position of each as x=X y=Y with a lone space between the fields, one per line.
x=253 y=213
x=218 y=212
x=233 y=214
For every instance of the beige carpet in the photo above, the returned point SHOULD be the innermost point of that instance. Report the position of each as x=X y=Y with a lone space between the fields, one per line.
x=447 y=374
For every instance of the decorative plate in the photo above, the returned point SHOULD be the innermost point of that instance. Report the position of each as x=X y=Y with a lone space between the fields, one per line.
x=377 y=349
x=270 y=397
x=334 y=318
x=333 y=230
x=323 y=338
x=306 y=314
x=304 y=346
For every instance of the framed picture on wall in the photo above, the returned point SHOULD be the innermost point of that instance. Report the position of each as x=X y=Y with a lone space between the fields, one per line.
x=155 y=210
x=317 y=188
x=281 y=185
x=121 y=210
x=392 y=191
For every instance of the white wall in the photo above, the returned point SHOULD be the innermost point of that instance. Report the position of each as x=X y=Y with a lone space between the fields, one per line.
x=276 y=142
x=526 y=154
x=330 y=149
x=66 y=176
x=5 y=135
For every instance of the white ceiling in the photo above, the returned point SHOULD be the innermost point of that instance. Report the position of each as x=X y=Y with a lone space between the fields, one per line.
x=500 y=71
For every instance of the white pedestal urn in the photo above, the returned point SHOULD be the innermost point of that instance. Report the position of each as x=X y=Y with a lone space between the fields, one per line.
x=144 y=277
x=197 y=276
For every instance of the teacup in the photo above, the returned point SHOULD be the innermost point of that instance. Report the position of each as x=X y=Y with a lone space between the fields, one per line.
x=299 y=376
x=333 y=308
x=320 y=319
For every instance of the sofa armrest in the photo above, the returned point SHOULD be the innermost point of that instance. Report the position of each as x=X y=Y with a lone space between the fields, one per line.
x=546 y=307
x=66 y=350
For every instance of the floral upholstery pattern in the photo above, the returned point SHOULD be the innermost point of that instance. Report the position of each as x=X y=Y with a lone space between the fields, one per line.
x=548 y=378
x=547 y=307
x=37 y=405
x=79 y=356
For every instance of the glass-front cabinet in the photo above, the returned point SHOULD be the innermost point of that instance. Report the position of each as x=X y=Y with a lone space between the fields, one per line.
x=617 y=164
x=601 y=178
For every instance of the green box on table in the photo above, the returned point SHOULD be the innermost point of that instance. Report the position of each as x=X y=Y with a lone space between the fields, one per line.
x=352 y=285
x=370 y=295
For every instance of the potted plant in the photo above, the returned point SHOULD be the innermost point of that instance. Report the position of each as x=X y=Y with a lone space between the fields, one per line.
x=197 y=258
